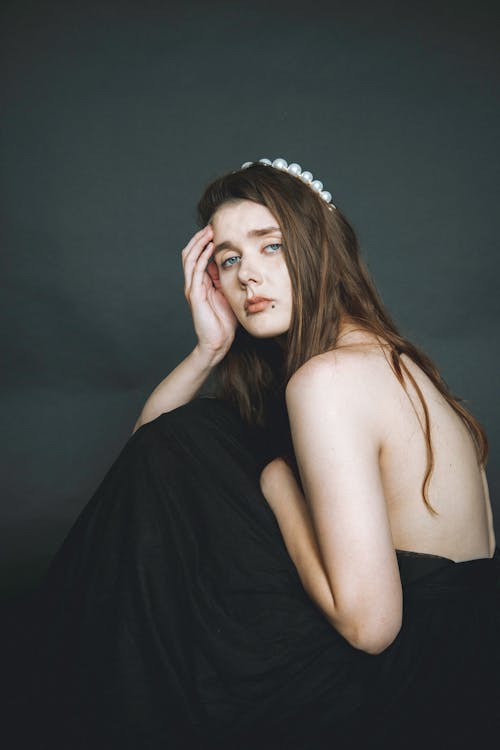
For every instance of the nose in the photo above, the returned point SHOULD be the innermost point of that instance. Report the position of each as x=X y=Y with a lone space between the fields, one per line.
x=248 y=270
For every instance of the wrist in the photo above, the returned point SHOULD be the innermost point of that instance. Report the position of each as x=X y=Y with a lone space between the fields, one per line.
x=206 y=359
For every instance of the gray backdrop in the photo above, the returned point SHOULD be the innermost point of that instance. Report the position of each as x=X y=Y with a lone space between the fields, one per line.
x=115 y=116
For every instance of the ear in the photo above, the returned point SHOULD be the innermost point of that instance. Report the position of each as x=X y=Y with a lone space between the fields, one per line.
x=213 y=272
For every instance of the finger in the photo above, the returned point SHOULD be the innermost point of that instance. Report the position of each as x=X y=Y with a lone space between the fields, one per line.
x=197 y=235
x=191 y=257
x=199 y=263
x=194 y=239
x=190 y=260
x=201 y=267
x=213 y=272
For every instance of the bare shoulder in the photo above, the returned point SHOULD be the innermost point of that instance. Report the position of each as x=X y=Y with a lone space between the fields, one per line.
x=363 y=372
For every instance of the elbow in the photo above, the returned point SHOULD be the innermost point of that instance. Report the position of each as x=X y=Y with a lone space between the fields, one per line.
x=372 y=638
x=375 y=645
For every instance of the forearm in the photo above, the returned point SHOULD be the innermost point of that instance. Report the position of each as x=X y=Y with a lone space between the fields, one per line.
x=296 y=526
x=179 y=387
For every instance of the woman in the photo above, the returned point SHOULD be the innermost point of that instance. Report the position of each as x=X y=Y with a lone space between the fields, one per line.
x=307 y=559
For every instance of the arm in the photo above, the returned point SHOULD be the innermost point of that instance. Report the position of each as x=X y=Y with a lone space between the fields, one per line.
x=282 y=492
x=333 y=410
x=214 y=324
x=179 y=387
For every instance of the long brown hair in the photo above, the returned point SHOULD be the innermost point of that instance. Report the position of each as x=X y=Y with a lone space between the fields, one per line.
x=329 y=280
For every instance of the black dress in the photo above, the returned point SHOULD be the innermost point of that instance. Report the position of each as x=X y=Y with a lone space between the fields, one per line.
x=172 y=617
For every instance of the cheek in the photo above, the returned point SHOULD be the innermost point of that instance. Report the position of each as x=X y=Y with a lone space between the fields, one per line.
x=223 y=280
x=286 y=281
x=226 y=287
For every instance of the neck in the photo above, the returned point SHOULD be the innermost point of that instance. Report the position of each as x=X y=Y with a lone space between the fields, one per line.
x=350 y=332
x=354 y=334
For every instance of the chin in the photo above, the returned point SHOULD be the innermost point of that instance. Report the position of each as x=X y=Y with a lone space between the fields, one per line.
x=264 y=335
x=263 y=331
x=265 y=326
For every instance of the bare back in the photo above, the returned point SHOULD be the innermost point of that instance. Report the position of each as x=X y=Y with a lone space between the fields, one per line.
x=458 y=488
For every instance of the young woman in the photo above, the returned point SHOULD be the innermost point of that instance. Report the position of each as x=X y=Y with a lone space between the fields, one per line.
x=307 y=558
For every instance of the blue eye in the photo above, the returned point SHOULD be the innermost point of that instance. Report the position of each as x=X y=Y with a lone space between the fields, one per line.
x=227 y=264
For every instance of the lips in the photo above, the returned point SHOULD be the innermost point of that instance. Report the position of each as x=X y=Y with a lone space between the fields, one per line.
x=254 y=304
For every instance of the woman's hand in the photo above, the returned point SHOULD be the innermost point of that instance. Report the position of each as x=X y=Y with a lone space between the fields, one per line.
x=214 y=321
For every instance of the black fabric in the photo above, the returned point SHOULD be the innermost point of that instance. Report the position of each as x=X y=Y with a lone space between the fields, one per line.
x=172 y=617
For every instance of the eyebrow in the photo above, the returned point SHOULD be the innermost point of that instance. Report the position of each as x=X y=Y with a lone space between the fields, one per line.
x=227 y=244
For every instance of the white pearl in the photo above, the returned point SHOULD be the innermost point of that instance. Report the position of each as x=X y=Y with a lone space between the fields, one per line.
x=296 y=170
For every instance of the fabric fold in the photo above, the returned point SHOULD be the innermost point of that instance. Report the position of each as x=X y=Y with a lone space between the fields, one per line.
x=173 y=617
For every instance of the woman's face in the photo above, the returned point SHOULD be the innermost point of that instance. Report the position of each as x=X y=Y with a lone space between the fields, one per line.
x=250 y=263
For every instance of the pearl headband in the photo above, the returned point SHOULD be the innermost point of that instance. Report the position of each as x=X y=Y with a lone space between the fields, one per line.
x=296 y=170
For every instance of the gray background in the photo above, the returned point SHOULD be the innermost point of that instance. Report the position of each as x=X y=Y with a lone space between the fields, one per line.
x=116 y=115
